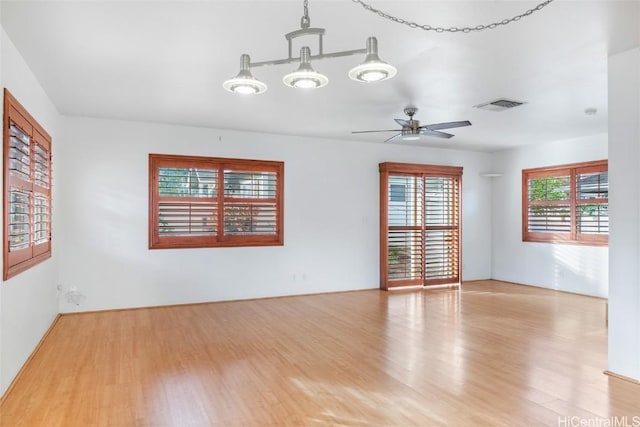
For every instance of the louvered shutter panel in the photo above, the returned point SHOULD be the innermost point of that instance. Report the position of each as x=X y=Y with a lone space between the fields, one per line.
x=187 y=201
x=250 y=203
x=405 y=236
x=441 y=230
x=592 y=198
x=27 y=190
x=19 y=219
x=19 y=152
x=20 y=195
x=549 y=207
x=41 y=194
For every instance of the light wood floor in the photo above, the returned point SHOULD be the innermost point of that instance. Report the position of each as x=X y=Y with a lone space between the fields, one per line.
x=492 y=354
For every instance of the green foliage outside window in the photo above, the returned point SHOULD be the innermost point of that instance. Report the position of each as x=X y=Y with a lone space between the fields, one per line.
x=549 y=188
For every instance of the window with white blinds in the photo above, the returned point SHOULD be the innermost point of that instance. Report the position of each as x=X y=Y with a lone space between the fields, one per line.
x=566 y=204
x=27 y=187
x=209 y=202
x=420 y=224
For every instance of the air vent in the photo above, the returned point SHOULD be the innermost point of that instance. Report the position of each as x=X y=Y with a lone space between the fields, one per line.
x=499 y=104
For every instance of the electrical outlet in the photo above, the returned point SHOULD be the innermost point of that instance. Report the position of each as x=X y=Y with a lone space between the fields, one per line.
x=73 y=296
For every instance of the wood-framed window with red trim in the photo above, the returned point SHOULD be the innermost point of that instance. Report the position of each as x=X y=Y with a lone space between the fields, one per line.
x=566 y=204
x=198 y=202
x=27 y=189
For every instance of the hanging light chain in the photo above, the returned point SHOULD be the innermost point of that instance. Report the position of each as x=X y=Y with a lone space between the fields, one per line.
x=305 y=21
x=450 y=29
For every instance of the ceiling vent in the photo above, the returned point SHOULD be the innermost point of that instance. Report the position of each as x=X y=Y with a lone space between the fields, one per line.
x=499 y=104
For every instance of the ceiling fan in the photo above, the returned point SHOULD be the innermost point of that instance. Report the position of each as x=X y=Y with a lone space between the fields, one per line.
x=411 y=129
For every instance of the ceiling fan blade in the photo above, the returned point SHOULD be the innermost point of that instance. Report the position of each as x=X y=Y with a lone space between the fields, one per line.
x=403 y=123
x=448 y=125
x=429 y=132
x=392 y=138
x=373 y=131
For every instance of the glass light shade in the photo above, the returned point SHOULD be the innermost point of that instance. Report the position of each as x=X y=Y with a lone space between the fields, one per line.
x=372 y=72
x=245 y=86
x=373 y=69
x=305 y=77
x=244 y=83
x=410 y=137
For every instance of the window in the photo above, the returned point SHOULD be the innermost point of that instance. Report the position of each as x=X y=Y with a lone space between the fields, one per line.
x=397 y=193
x=419 y=225
x=197 y=202
x=27 y=189
x=566 y=204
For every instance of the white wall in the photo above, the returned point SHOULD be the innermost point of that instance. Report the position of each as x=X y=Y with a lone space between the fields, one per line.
x=331 y=216
x=573 y=268
x=28 y=301
x=2 y=386
x=624 y=199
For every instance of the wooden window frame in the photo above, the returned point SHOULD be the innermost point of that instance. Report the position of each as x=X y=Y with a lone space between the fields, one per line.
x=156 y=241
x=387 y=169
x=21 y=260
x=573 y=237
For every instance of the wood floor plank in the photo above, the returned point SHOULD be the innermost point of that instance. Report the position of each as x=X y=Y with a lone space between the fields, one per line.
x=490 y=354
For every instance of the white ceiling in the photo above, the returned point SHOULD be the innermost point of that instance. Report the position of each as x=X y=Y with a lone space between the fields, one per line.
x=165 y=62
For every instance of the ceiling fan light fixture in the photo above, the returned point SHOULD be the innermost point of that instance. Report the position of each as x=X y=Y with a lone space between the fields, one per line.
x=373 y=69
x=409 y=134
x=244 y=83
x=410 y=137
x=305 y=77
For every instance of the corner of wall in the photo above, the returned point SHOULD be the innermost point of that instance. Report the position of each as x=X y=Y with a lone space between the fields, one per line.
x=2 y=382
x=28 y=301
x=624 y=211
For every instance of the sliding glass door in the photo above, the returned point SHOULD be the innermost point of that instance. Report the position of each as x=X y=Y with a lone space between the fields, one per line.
x=420 y=225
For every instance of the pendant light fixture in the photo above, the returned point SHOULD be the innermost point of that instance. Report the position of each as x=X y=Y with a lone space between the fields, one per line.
x=373 y=69
x=244 y=82
x=305 y=77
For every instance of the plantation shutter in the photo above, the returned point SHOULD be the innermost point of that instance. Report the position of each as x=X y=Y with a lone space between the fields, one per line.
x=441 y=230
x=27 y=190
x=405 y=235
x=592 y=199
x=250 y=203
x=568 y=203
x=209 y=202
x=187 y=201
x=549 y=203
x=420 y=225
x=20 y=190
x=41 y=194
